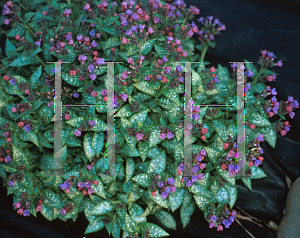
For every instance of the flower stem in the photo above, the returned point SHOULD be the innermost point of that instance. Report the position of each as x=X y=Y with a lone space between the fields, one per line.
x=5 y=71
x=297 y=143
x=203 y=53
x=258 y=75
x=28 y=28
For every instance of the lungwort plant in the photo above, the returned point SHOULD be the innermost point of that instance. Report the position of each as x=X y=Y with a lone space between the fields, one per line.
x=149 y=39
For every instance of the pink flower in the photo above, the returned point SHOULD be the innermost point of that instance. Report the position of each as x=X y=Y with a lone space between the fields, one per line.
x=9 y=4
x=184 y=53
x=279 y=63
x=38 y=208
x=124 y=97
x=202 y=166
x=17 y=37
x=20 y=211
x=139 y=136
x=94 y=94
x=91 y=190
x=17 y=205
x=67 y=12
x=87 y=7
x=162 y=136
x=98 y=35
x=14 y=109
x=89 y=166
x=124 y=40
x=190 y=33
x=263 y=53
x=130 y=60
x=231 y=153
x=93 y=77
x=220 y=227
x=82 y=58
x=27 y=91
x=63 y=212
x=44 y=13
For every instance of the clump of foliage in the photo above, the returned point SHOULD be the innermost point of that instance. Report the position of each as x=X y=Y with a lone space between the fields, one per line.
x=150 y=38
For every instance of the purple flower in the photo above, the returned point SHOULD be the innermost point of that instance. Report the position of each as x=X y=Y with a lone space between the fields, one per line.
x=135 y=17
x=203 y=152
x=50 y=104
x=89 y=167
x=92 y=33
x=196 y=116
x=195 y=168
x=165 y=59
x=270 y=54
x=164 y=195
x=194 y=178
x=77 y=133
x=128 y=32
x=201 y=20
x=12 y=81
x=91 y=68
x=91 y=122
x=178 y=68
x=170 y=135
x=142 y=57
x=76 y=95
x=141 y=27
x=82 y=58
x=257 y=162
x=7 y=159
x=231 y=218
x=94 y=44
x=104 y=92
x=260 y=138
x=11 y=183
x=167 y=71
x=160 y=184
x=27 y=128
x=249 y=73
x=38 y=43
x=91 y=190
x=273 y=91
x=63 y=212
x=147 y=77
x=88 y=184
x=213 y=218
x=67 y=12
x=173 y=189
x=231 y=167
x=93 y=77
x=200 y=175
x=216 y=79
x=26 y=213
x=171 y=181
x=180 y=79
x=17 y=205
x=181 y=167
x=209 y=18
x=128 y=12
x=274 y=109
x=79 y=38
x=178 y=14
x=124 y=97
x=69 y=36
x=189 y=183
x=80 y=185
x=190 y=33
x=168 y=189
x=170 y=14
x=233 y=66
x=291 y=114
x=100 y=61
x=226 y=223
x=156 y=20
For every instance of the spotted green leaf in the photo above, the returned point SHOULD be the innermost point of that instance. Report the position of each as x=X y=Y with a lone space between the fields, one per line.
x=143 y=149
x=99 y=189
x=72 y=80
x=130 y=167
x=213 y=154
x=166 y=219
x=175 y=199
x=51 y=198
x=172 y=96
x=200 y=190
x=102 y=208
x=142 y=179
x=161 y=51
x=225 y=175
x=145 y=87
x=135 y=212
x=201 y=202
x=47 y=212
x=269 y=135
x=124 y=112
x=232 y=190
x=247 y=182
x=153 y=137
x=158 y=199
x=18 y=30
x=257 y=173
x=185 y=213
x=157 y=164
x=147 y=46
x=88 y=147
x=155 y=230
x=98 y=142
x=97 y=225
x=20 y=157
x=223 y=196
x=46 y=113
x=258 y=120
x=130 y=224
x=29 y=136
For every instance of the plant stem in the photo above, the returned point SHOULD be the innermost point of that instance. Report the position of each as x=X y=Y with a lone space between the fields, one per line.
x=255 y=109
x=26 y=5
x=5 y=71
x=28 y=28
x=182 y=25
x=23 y=7
x=140 y=48
x=297 y=143
x=203 y=53
x=258 y=75
x=3 y=31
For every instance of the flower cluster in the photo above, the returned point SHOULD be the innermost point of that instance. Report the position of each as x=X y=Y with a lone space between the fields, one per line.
x=164 y=188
